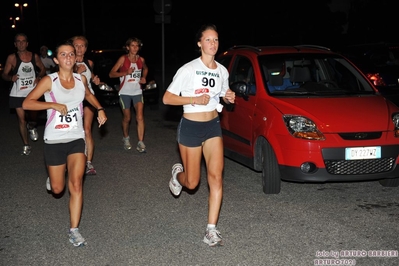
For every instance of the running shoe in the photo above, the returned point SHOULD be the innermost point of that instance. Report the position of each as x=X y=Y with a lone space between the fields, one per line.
x=141 y=147
x=126 y=143
x=90 y=169
x=34 y=136
x=174 y=185
x=213 y=237
x=26 y=150
x=48 y=184
x=76 y=238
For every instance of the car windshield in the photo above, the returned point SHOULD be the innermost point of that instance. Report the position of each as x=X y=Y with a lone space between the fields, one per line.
x=311 y=74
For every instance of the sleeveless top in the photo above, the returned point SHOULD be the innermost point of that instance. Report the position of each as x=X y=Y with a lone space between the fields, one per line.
x=87 y=73
x=26 y=77
x=129 y=84
x=59 y=128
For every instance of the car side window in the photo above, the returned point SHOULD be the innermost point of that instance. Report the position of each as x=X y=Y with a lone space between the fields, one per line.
x=243 y=71
x=225 y=61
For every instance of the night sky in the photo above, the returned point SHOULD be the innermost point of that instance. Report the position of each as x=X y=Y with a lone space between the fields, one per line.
x=107 y=24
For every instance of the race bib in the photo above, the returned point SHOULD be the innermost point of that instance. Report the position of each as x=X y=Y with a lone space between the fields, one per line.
x=25 y=83
x=205 y=82
x=135 y=76
x=67 y=122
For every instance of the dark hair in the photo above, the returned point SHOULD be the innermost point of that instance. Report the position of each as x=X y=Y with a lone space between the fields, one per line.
x=67 y=42
x=133 y=39
x=20 y=34
x=203 y=28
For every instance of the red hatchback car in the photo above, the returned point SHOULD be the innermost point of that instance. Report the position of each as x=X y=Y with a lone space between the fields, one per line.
x=307 y=114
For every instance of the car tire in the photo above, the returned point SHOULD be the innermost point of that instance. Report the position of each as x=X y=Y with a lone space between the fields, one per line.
x=271 y=180
x=393 y=182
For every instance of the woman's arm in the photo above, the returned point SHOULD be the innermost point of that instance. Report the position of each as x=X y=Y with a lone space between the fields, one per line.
x=114 y=73
x=102 y=118
x=143 y=79
x=32 y=101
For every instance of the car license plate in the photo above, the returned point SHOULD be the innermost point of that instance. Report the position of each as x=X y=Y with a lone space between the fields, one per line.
x=360 y=153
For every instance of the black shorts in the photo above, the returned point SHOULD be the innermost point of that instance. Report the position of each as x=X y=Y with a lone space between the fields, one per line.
x=87 y=104
x=56 y=154
x=16 y=102
x=193 y=133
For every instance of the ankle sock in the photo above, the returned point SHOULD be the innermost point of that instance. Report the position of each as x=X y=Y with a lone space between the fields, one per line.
x=211 y=226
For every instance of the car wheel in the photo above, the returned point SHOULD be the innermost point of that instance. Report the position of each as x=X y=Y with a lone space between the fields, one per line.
x=393 y=182
x=271 y=180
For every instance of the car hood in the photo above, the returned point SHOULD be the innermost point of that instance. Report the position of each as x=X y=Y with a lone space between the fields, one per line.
x=340 y=114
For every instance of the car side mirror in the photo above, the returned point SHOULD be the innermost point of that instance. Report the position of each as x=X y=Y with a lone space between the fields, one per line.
x=241 y=89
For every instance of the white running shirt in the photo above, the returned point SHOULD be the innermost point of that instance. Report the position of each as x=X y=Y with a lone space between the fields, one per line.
x=195 y=79
x=26 y=78
x=130 y=83
x=87 y=74
x=59 y=128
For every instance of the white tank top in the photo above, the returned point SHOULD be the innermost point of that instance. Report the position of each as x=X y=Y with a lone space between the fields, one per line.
x=59 y=128
x=130 y=83
x=26 y=78
x=87 y=74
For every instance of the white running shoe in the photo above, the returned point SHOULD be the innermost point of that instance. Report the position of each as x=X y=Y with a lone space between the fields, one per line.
x=126 y=143
x=174 y=185
x=140 y=147
x=76 y=238
x=34 y=136
x=90 y=169
x=26 y=150
x=48 y=184
x=213 y=237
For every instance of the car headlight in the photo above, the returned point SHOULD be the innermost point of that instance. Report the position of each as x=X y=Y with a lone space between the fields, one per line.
x=105 y=87
x=150 y=85
x=395 y=120
x=302 y=127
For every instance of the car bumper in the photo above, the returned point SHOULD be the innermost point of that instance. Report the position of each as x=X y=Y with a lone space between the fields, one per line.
x=295 y=174
x=336 y=168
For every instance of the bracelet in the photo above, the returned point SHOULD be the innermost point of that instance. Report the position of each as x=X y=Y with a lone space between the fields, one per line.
x=100 y=109
x=192 y=102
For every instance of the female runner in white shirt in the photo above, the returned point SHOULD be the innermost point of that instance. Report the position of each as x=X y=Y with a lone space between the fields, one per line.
x=198 y=86
x=64 y=92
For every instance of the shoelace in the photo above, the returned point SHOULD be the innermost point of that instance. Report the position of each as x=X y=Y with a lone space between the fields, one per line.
x=213 y=235
x=77 y=236
x=141 y=145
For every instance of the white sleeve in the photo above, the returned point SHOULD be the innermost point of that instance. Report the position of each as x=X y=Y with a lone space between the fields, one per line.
x=225 y=81
x=181 y=81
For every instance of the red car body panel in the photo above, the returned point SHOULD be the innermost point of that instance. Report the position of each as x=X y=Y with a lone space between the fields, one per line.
x=261 y=116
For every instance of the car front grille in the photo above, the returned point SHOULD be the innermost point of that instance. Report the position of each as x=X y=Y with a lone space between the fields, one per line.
x=359 y=167
x=361 y=135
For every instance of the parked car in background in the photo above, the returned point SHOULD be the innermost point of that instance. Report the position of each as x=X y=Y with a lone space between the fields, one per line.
x=380 y=63
x=107 y=94
x=307 y=114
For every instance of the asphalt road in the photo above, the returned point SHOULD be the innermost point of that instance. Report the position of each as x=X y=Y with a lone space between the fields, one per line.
x=131 y=218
